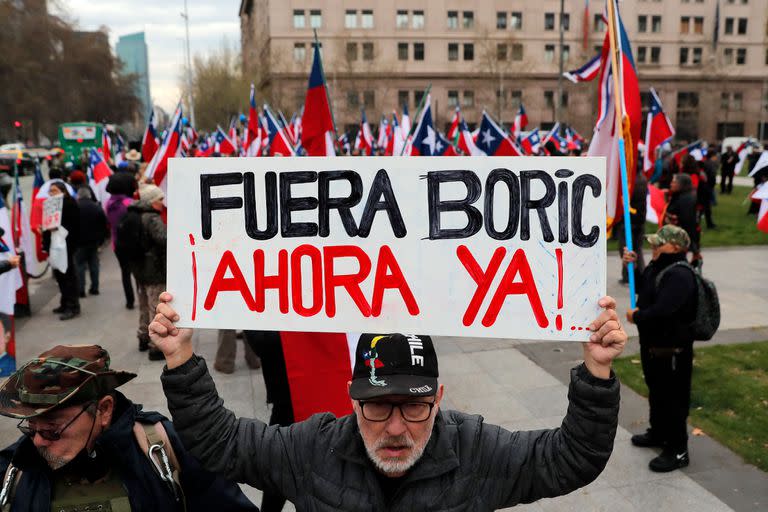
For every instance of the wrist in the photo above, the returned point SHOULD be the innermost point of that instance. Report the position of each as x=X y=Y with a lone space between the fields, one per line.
x=179 y=357
x=600 y=371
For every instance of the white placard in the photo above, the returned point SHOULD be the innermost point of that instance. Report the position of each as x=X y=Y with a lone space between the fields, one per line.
x=52 y=212
x=389 y=244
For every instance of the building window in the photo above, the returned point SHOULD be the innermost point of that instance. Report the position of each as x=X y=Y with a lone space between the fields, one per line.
x=418 y=51
x=516 y=98
x=350 y=19
x=549 y=99
x=468 y=19
x=549 y=21
x=453 y=98
x=453 y=19
x=737 y=101
x=453 y=51
x=641 y=54
x=417 y=19
x=316 y=18
x=687 y=115
x=685 y=24
x=516 y=20
x=353 y=99
x=742 y=26
x=683 y=56
x=566 y=53
x=469 y=99
x=369 y=99
x=730 y=130
x=656 y=24
x=566 y=21
x=402 y=51
x=741 y=56
x=402 y=19
x=366 y=19
x=728 y=56
x=367 y=51
x=501 y=98
x=728 y=28
x=642 y=23
x=655 y=54
x=469 y=51
x=517 y=51
x=698 y=25
x=501 y=20
x=351 y=51
x=696 y=56
x=725 y=100
x=549 y=53
x=299 y=52
x=402 y=98
x=598 y=24
x=766 y=56
x=501 y=51
x=298 y=19
x=417 y=97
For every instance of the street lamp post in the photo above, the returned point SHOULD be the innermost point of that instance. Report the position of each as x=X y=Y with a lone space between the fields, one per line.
x=185 y=15
x=559 y=101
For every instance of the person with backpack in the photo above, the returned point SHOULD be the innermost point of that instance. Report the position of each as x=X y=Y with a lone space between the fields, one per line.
x=86 y=446
x=93 y=233
x=121 y=187
x=667 y=301
x=142 y=236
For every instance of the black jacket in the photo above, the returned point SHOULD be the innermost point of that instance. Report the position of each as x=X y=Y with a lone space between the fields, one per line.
x=70 y=220
x=204 y=491
x=93 y=223
x=320 y=464
x=151 y=268
x=664 y=314
x=683 y=204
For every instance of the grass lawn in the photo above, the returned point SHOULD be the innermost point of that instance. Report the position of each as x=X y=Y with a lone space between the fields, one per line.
x=734 y=226
x=729 y=398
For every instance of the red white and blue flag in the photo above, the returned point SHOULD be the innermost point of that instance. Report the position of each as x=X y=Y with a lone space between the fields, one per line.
x=426 y=140
x=22 y=233
x=222 y=144
x=467 y=141
x=762 y=195
x=453 y=130
x=106 y=143
x=253 y=133
x=278 y=143
x=36 y=213
x=405 y=123
x=149 y=142
x=655 y=204
x=521 y=121
x=696 y=149
x=397 y=141
x=98 y=176
x=587 y=72
x=317 y=127
x=530 y=143
x=493 y=141
x=12 y=280
x=158 y=166
x=366 y=136
x=658 y=130
x=382 y=138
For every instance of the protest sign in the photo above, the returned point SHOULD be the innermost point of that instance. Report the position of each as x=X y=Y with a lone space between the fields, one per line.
x=52 y=212
x=461 y=246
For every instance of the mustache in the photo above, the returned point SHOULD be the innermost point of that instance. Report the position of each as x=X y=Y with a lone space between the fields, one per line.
x=402 y=440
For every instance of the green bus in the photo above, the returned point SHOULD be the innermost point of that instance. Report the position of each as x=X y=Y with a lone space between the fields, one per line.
x=76 y=137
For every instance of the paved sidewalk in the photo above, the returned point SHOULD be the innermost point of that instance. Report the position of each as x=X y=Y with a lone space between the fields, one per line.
x=487 y=376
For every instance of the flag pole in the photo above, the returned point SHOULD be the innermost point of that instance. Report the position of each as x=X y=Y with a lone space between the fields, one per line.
x=418 y=113
x=618 y=104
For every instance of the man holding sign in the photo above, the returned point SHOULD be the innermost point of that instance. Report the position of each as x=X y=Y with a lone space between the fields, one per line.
x=471 y=247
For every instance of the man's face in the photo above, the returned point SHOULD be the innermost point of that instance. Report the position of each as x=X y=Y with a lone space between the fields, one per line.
x=395 y=445
x=84 y=428
x=667 y=248
x=54 y=191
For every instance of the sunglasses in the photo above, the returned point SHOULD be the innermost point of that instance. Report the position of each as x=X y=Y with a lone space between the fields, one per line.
x=49 y=434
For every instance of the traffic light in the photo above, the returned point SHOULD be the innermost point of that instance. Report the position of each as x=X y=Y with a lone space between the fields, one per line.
x=17 y=124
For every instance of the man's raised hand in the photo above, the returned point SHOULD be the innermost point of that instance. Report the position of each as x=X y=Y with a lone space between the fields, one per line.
x=174 y=342
x=606 y=341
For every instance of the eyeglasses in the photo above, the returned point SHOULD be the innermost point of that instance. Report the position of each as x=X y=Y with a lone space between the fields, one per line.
x=414 y=412
x=47 y=434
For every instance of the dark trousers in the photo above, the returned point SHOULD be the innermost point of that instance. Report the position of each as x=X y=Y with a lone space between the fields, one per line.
x=68 y=285
x=668 y=376
x=88 y=256
x=125 y=273
x=637 y=246
x=729 y=187
x=267 y=345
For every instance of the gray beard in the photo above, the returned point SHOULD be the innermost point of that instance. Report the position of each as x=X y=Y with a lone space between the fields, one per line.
x=393 y=467
x=54 y=462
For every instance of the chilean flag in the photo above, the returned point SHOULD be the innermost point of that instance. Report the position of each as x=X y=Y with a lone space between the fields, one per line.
x=587 y=72
x=223 y=144
x=521 y=121
x=492 y=140
x=397 y=140
x=278 y=140
x=106 y=143
x=366 y=137
x=317 y=128
x=453 y=131
x=405 y=122
x=10 y=282
x=382 y=139
x=696 y=149
x=158 y=166
x=99 y=172
x=655 y=204
x=149 y=140
x=605 y=141
x=762 y=215
x=253 y=133
x=530 y=143
x=36 y=213
x=658 y=130
x=467 y=141
x=426 y=140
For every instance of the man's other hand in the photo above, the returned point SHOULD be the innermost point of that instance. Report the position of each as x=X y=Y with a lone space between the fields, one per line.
x=606 y=341
x=175 y=343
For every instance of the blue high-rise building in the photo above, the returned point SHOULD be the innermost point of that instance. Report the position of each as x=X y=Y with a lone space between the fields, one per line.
x=131 y=49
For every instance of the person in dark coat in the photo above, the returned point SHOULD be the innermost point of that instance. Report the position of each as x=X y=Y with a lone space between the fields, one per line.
x=93 y=233
x=69 y=305
x=727 y=170
x=707 y=195
x=638 y=206
x=666 y=306
x=83 y=444
x=681 y=211
x=121 y=187
x=399 y=450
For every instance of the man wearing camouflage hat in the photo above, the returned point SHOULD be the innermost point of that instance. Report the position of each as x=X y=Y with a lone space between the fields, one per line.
x=87 y=447
x=666 y=306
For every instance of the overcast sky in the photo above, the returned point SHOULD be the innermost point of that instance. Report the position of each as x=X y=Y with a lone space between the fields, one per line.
x=210 y=21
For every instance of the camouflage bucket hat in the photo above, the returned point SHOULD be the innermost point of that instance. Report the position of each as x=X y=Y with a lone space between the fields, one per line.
x=670 y=234
x=62 y=376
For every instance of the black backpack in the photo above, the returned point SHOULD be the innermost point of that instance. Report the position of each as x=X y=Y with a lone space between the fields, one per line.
x=130 y=237
x=707 y=319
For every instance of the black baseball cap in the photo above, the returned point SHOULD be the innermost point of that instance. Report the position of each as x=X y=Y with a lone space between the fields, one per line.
x=394 y=364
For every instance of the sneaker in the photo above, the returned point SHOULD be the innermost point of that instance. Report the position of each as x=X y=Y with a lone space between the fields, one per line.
x=669 y=460
x=155 y=355
x=129 y=305
x=223 y=369
x=93 y=292
x=69 y=315
x=646 y=440
x=82 y=295
x=59 y=310
x=143 y=345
